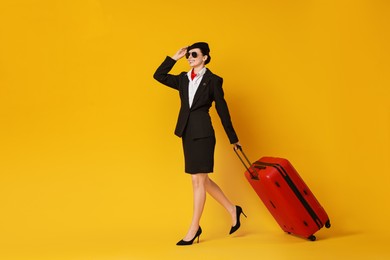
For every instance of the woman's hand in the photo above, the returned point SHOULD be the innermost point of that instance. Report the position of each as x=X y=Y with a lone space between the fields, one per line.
x=180 y=53
x=237 y=146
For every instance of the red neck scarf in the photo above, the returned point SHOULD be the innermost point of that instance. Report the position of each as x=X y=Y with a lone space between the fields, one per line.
x=193 y=74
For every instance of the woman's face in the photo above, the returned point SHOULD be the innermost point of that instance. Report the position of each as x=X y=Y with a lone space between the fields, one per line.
x=198 y=60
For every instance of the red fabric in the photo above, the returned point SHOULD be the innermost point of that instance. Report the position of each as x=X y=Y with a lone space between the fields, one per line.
x=193 y=74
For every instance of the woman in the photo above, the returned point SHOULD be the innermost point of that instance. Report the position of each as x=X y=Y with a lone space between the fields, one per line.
x=198 y=88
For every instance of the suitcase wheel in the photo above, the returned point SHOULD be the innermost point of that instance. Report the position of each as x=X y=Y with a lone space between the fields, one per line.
x=327 y=224
x=312 y=238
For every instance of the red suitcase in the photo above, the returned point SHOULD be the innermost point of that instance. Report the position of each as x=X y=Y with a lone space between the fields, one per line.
x=286 y=196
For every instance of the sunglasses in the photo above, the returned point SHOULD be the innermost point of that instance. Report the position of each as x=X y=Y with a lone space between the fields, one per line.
x=193 y=54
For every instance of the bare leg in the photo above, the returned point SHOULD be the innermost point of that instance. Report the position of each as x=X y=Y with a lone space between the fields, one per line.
x=215 y=191
x=198 y=185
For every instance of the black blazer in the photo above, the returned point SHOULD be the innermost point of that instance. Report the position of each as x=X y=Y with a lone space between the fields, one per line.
x=197 y=118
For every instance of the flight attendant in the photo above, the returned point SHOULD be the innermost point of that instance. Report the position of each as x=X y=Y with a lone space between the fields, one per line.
x=198 y=89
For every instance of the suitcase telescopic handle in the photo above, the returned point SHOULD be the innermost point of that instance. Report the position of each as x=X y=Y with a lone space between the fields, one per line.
x=254 y=174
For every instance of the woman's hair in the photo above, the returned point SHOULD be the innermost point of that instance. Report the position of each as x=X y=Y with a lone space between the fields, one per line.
x=204 y=48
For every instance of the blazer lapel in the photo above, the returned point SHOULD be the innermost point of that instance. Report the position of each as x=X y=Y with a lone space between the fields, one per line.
x=202 y=86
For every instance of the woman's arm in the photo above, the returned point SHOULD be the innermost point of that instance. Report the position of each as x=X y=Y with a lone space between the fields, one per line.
x=162 y=73
x=223 y=112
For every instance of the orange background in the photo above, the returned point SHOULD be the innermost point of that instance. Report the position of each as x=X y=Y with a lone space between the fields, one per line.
x=89 y=165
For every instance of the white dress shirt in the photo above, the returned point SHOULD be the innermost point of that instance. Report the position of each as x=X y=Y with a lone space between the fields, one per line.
x=194 y=84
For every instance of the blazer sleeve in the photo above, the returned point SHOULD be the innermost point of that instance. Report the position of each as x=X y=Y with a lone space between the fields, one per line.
x=162 y=73
x=223 y=111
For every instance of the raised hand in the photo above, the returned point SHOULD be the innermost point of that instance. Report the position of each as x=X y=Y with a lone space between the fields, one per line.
x=180 y=53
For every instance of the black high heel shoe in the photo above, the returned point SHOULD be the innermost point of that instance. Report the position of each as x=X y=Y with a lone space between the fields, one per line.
x=187 y=243
x=238 y=224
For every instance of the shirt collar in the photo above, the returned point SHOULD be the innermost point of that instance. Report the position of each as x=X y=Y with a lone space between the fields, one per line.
x=199 y=74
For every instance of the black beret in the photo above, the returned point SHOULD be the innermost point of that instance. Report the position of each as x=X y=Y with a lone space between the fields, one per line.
x=204 y=47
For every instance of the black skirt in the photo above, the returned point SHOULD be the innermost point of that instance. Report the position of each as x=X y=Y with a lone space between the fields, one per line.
x=198 y=154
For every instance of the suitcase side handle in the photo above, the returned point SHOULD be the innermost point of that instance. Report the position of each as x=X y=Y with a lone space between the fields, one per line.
x=254 y=174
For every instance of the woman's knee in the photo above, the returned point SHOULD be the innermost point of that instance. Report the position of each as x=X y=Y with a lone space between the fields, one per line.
x=199 y=180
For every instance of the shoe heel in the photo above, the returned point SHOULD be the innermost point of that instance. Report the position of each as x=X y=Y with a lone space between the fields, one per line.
x=187 y=243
